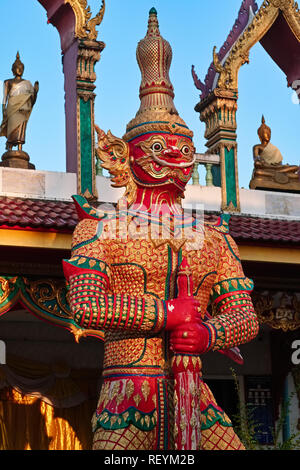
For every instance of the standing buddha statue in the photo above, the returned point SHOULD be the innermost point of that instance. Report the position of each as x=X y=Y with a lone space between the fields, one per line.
x=122 y=274
x=19 y=97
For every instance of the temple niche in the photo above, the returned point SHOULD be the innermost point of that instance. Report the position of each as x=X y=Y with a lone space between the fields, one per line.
x=270 y=173
x=276 y=26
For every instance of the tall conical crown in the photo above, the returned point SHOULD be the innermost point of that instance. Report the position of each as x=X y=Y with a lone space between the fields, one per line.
x=157 y=109
x=263 y=127
x=17 y=62
x=154 y=56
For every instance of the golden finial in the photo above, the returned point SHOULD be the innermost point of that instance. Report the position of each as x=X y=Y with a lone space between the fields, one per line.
x=218 y=66
x=263 y=127
x=157 y=110
x=96 y=21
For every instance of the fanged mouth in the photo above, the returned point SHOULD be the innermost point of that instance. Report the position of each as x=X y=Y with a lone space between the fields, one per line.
x=166 y=170
x=171 y=164
x=156 y=167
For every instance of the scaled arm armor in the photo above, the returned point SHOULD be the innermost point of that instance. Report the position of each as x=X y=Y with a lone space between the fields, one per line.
x=92 y=303
x=234 y=320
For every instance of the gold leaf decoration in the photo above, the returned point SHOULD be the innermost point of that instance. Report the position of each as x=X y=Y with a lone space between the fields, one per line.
x=137 y=399
x=129 y=389
x=145 y=389
x=194 y=361
x=147 y=421
x=113 y=420
x=115 y=390
x=218 y=289
x=225 y=285
x=114 y=154
x=186 y=361
x=119 y=398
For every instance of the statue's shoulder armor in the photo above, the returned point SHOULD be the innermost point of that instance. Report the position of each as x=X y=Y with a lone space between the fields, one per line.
x=220 y=225
x=220 y=228
x=86 y=211
x=91 y=222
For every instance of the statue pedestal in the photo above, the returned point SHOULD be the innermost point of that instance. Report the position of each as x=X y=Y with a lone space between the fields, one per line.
x=282 y=178
x=16 y=159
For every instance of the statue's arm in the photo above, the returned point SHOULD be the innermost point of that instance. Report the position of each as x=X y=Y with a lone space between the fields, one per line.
x=94 y=307
x=35 y=92
x=93 y=303
x=257 y=150
x=235 y=321
x=6 y=87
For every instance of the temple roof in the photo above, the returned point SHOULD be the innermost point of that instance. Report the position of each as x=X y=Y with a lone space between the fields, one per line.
x=275 y=25
x=246 y=14
x=37 y=214
x=61 y=216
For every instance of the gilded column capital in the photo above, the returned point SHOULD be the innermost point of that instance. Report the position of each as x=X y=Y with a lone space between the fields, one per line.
x=88 y=55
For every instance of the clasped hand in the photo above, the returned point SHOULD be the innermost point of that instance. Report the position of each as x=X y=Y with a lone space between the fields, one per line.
x=188 y=334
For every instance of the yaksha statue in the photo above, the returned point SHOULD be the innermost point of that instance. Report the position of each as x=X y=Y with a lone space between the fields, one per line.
x=145 y=275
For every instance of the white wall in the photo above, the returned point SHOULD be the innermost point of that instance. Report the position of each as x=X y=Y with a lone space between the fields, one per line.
x=61 y=186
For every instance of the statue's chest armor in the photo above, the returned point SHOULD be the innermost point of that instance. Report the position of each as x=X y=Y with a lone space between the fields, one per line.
x=143 y=267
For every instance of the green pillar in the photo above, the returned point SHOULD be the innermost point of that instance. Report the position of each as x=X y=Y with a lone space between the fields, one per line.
x=88 y=54
x=218 y=112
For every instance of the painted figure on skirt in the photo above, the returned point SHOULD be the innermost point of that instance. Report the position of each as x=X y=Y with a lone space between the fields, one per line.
x=145 y=273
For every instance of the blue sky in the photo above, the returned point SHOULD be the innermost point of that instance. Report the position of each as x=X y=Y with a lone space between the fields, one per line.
x=192 y=27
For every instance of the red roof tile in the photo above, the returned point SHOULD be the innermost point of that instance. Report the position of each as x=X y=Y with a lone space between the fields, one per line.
x=61 y=216
x=262 y=229
x=39 y=214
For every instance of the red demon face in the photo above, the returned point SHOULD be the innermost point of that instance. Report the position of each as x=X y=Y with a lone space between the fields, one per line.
x=162 y=159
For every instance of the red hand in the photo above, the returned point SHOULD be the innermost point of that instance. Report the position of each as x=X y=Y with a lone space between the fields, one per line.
x=192 y=336
x=190 y=339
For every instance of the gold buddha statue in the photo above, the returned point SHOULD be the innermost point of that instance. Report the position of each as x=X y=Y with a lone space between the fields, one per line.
x=269 y=173
x=19 y=97
x=266 y=152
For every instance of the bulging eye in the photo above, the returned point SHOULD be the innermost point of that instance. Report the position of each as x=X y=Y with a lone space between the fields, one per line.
x=186 y=150
x=157 y=147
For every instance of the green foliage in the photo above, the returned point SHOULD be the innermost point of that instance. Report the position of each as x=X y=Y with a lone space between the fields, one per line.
x=246 y=427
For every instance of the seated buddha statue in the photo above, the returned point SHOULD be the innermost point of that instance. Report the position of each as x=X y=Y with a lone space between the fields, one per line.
x=269 y=172
x=265 y=152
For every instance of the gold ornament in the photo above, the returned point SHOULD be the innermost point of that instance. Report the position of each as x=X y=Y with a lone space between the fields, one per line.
x=114 y=154
x=157 y=110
